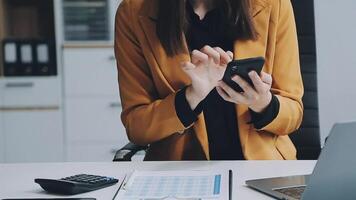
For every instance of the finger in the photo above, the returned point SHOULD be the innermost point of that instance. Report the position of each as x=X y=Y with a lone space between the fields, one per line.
x=198 y=56
x=208 y=50
x=223 y=94
x=266 y=78
x=237 y=97
x=246 y=87
x=231 y=55
x=224 y=57
x=188 y=68
x=259 y=85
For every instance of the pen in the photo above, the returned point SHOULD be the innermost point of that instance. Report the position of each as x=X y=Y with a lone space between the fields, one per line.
x=126 y=180
x=117 y=191
x=230 y=184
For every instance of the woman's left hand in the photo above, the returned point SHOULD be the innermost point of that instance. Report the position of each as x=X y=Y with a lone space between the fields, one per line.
x=256 y=97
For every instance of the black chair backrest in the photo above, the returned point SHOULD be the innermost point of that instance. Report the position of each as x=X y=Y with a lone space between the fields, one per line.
x=307 y=138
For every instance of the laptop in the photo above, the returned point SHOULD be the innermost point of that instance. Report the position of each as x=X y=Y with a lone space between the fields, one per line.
x=334 y=176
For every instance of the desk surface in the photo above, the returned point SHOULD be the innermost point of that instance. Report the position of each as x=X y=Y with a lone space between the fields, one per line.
x=16 y=180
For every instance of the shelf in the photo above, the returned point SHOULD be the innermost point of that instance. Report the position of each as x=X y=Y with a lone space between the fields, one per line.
x=29 y=19
x=29 y=26
x=86 y=20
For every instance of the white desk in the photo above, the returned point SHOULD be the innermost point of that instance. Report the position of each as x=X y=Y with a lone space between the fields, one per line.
x=16 y=180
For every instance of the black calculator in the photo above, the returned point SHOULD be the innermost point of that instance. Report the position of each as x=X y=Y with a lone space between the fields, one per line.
x=76 y=184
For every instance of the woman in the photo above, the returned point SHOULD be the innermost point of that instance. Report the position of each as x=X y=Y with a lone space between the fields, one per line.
x=171 y=57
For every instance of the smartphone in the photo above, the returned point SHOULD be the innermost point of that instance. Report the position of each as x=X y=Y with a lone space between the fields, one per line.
x=242 y=68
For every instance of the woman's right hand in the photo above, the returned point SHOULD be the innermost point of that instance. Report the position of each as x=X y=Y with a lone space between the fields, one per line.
x=206 y=69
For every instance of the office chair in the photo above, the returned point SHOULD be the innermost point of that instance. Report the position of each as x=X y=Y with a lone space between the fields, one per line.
x=307 y=138
x=127 y=152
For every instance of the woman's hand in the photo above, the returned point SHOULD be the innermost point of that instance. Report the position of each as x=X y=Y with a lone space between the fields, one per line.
x=205 y=70
x=257 y=98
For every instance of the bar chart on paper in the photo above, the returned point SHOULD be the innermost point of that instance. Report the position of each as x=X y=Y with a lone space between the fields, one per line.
x=174 y=185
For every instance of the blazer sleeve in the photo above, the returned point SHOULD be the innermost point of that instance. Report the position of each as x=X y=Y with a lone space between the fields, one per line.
x=146 y=117
x=287 y=80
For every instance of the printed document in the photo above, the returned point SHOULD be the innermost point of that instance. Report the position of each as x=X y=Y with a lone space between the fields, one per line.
x=192 y=185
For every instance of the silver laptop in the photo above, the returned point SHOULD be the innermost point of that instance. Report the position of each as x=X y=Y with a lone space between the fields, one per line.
x=334 y=176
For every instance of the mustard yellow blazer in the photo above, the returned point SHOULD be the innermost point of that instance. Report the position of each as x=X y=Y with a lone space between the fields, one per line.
x=149 y=81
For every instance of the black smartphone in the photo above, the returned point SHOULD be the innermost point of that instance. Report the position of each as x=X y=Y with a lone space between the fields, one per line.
x=242 y=68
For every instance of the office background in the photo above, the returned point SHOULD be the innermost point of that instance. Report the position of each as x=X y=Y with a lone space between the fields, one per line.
x=336 y=50
x=67 y=109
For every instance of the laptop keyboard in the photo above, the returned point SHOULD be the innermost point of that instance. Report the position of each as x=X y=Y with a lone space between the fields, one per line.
x=294 y=192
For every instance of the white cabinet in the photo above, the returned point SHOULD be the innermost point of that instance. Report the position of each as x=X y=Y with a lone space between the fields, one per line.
x=33 y=136
x=90 y=72
x=92 y=105
x=93 y=126
x=94 y=119
x=31 y=124
x=30 y=92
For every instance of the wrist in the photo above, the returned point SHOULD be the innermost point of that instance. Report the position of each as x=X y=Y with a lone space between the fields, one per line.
x=262 y=105
x=193 y=97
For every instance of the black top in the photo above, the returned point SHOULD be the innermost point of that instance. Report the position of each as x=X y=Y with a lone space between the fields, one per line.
x=220 y=115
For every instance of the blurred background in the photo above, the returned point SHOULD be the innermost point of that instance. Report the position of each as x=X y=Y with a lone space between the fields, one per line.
x=59 y=97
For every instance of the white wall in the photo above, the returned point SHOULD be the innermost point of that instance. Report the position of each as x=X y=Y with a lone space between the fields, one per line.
x=336 y=57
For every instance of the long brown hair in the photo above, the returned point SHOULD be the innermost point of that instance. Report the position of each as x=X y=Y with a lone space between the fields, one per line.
x=172 y=22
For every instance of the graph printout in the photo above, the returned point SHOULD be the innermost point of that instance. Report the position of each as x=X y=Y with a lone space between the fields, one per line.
x=175 y=185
